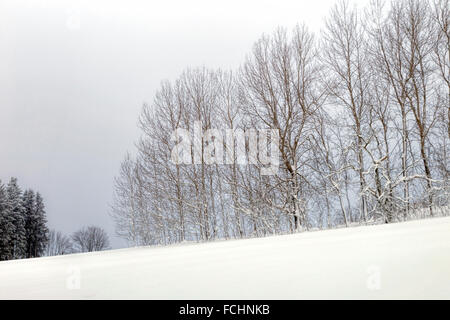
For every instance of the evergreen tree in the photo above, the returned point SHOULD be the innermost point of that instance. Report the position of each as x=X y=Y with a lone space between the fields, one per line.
x=41 y=236
x=30 y=221
x=35 y=224
x=7 y=227
x=16 y=211
x=23 y=229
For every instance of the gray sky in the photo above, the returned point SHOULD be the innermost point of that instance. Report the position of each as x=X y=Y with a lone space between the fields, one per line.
x=74 y=75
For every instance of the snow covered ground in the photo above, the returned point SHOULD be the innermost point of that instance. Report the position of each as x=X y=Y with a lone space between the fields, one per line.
x=405 y=260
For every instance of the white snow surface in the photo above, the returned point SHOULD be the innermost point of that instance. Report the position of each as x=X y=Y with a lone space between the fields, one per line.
x=408 y=260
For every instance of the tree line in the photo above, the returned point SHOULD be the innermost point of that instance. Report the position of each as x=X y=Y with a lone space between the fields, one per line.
x=23 y=229
x=87 y=239
x=24 y=232
x=362 y=110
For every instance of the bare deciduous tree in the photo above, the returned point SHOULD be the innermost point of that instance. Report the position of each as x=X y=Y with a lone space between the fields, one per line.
x=58 y=244
x=362 y=118
x=90 y=239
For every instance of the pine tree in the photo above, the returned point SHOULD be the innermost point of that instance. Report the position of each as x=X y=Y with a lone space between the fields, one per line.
x=42 y=232
x=16 y=210
x=7 y=227
x=30 y=221
x=35 y=224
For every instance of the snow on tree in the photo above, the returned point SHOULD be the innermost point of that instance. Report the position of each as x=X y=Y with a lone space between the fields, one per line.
x=362 y=113
x=16 y=210
x=7 y=227
x=35 y=224
x=23 y=230
x=41 y=237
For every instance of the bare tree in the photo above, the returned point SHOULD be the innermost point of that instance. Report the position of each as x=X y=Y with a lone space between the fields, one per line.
x=363 y=128
x=344 y=55
x=90 y=239
x=58 y=244
x=279 y=80
x=441 y=137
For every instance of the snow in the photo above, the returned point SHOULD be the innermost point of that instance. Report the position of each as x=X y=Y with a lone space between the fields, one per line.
x=408 y=260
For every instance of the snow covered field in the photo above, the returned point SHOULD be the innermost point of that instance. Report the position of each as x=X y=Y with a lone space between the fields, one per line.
x=405 y=260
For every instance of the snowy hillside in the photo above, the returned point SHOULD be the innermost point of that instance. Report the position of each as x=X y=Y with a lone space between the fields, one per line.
x=406 y=260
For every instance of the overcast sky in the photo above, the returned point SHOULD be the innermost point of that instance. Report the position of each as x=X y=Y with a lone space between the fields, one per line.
x=74 y=75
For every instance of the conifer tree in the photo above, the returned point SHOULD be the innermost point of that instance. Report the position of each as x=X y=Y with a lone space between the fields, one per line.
x=30 y=221
x=6 y=226
x=41 y=236
x=35 y=224
x=15 y=210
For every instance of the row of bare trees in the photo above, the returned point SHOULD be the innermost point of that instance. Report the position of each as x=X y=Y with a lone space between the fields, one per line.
x=362 y=114
x=87 y=239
